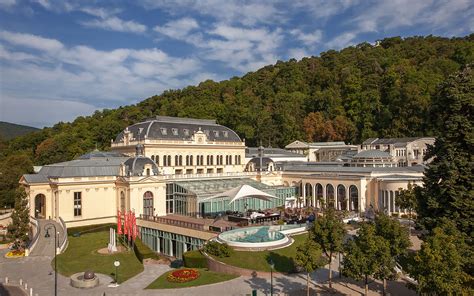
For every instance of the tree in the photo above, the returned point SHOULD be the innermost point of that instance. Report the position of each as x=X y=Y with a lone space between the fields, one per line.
x=11 y=169
x=398 y=240
x=308 y=256
x=366 y=255
x=448 y=182
x=406 y=199
x=328 y=232
x=438 y=266
x=19 y=228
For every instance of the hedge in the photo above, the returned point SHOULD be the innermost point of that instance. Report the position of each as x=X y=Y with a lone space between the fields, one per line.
x=194 y=259
x=91 y=228
x=142 y=251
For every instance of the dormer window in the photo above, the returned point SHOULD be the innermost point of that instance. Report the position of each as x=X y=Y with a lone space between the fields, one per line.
x=216 y=134
x=207 y=133
x=226 y=134
x=164 y=131
x=175 y=131
x=186 y=132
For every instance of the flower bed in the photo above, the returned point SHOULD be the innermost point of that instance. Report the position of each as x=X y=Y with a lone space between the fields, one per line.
x=183 y=275
x=15 y=254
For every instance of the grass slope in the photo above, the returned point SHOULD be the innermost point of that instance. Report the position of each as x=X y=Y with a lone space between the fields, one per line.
x=11 y=130
x=206 y=277
x=283 y=258
x=81 y=255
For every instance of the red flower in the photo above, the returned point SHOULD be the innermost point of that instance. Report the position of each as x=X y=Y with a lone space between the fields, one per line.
x=183 y=275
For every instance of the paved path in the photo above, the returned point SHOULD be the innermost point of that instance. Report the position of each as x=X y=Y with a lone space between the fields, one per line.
x=45 y=245
x=37 y=272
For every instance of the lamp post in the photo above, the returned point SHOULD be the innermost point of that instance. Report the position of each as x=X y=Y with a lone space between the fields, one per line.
x=47 y=227
x=116 y=264
x=272 y=265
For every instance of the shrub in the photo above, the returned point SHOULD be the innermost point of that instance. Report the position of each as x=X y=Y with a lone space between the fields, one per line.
x=194 y=259
x=142 y=251
x=91 y=228
x=218 y=249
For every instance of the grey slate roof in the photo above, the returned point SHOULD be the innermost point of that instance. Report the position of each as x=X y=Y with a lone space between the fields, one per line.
x=36 y=178
x=386 y=141
x=372 y=154
x=164 y=127
x=304 y=167
x=136 y=165
x=271 y=152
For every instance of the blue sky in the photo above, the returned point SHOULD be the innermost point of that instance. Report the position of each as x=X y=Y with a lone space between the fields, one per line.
x=61 y=58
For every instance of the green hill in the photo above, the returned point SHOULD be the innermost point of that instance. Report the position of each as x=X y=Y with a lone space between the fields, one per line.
x=11 y=130
x=362 y=91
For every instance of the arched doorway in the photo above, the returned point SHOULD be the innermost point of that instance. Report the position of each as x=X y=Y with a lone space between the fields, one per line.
x=330 y=196
x=354 y=198
x=40 y=206
x=341 y=197
x=309 y=194
x=148 y=204
x=319 y=194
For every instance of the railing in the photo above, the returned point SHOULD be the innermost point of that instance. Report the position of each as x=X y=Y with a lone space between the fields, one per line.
x=34 y=240
x=65 y=240
x=173 y=222
x=133 y=142
x=192 y=176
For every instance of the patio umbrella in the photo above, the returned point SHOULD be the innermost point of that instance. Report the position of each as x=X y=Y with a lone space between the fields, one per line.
x=243 y=191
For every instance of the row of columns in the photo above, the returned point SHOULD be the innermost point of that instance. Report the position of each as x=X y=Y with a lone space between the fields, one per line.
x=388 y=203
x=337 y=204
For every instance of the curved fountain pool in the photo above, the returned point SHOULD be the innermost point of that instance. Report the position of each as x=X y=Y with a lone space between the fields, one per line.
x=257 y=238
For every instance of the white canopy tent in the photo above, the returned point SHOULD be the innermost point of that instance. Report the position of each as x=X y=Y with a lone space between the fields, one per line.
x=241 y=192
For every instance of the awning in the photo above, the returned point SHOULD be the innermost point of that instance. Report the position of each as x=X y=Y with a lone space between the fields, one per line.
x=242 y=191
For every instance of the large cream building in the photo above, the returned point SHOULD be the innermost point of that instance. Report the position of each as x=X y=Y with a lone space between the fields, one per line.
x=168 y=170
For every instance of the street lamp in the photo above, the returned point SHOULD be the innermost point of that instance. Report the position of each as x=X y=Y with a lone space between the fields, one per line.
x=116 y=264
x=272 y=265
x=47 y=227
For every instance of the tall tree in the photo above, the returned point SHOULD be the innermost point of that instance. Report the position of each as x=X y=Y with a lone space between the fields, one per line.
x=328 y=232
x=367 y=255
x=308 y=256
x=19 y=228
x=398 y=240
x=439 y=265
x=448 y=182
x=406 y=199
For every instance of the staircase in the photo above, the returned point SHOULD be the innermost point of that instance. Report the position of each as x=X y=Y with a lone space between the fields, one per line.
x=45 y=245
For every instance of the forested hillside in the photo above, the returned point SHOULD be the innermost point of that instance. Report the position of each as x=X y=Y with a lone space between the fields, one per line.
x=359 y=92
x=11 y=130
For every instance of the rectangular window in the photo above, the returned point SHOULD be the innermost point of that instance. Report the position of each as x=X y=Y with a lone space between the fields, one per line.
x=77 y=204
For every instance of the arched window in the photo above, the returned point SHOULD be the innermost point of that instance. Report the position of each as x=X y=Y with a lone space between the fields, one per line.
x=147 y=171
x=341 y=197
x=191 y=160
x=169 y=160
x=180 y=160
x=148 y=204
x=153 y=157
x=176 y=160
x=40 y=206
x=330 y=195
x=354 y=198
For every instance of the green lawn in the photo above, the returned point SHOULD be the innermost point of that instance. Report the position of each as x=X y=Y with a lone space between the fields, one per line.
x=283 y=258
x=206 y=277
x=81 y=255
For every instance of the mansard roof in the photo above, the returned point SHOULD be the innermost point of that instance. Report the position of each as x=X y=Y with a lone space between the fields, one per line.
x=176 y=128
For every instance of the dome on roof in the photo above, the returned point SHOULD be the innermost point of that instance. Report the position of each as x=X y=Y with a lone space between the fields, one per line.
x=139 y=166
x=372 y=154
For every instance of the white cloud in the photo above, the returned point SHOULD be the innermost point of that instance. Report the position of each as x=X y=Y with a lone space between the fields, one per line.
x=297 y=53
x=309 y=39
x=229 y=11
x=31 y=41
x=83 y=74
x=116 y=24
x=7 y=4
x=178 y=29
x=342 y=40
x=41 y=112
